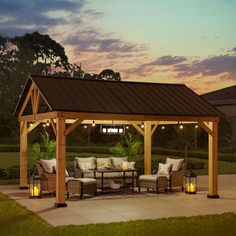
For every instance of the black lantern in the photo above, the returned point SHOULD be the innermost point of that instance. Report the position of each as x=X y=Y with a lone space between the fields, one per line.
x=35 y=190
x=191 y=183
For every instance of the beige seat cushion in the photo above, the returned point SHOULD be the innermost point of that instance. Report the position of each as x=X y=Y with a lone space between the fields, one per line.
x=48 y=165
x=148 y=177
x=176 y=163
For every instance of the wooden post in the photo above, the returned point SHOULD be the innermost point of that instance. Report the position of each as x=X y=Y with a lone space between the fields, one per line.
x=213 y=161
x=23 y=155
x=147 y=147
x=61 y=163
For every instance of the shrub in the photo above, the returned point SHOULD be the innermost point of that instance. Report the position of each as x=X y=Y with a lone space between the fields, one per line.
x=195 y=165
x=13 y=172
x=3 y=173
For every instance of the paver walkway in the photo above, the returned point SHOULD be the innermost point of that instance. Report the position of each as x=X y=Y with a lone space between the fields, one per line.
x=113 y=210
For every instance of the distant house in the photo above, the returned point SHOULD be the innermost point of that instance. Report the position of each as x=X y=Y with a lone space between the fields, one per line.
x=225 y=101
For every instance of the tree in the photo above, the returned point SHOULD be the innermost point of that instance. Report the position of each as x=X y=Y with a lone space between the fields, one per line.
x=109 y=74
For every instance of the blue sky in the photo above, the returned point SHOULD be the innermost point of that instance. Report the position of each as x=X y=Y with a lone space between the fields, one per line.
x=174 y=41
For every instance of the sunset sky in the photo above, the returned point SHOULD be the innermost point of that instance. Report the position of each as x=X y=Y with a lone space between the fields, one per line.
x=171 y=41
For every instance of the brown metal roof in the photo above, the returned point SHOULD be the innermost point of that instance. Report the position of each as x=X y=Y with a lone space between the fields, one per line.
x=222 y=97
x=136 y=98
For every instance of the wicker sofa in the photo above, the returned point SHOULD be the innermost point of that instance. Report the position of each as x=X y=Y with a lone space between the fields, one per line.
x=107 y=162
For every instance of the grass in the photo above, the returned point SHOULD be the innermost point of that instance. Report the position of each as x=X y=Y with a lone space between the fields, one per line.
x=17 y=220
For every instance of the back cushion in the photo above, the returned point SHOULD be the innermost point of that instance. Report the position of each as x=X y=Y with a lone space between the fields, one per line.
x=48 y=164
x=85 y=163
x=118 y=161
x=104 y=162
x=176 y=163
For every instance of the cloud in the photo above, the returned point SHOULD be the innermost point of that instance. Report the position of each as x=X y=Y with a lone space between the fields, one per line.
x=154 y=66
x=211 y=66
x=32 y=15
x=94 y=41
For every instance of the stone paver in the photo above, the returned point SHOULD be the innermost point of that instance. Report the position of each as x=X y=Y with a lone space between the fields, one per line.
x=114 y=210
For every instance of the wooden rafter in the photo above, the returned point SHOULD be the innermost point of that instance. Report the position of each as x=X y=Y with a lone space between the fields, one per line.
x=206 y=127
x=154 y=128
x=72 y=127
x=140 y=130
x=33 y=126
x=53 y=126
x=28 y=96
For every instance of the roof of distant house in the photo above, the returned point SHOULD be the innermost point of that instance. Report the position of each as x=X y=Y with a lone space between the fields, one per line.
x=118 y=97
x=222 y=97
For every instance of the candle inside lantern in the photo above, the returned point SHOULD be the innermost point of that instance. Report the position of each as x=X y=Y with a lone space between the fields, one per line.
x=190 y=187
x=35 y=191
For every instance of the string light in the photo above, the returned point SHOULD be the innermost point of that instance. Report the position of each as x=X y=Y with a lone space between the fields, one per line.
x=47 y=124
x=196 y=126
x=31 y=124
x=85 y=126
x=142 y=125
x=93 y=124
x=163 y=127
x=181 y=126
x=127 y=127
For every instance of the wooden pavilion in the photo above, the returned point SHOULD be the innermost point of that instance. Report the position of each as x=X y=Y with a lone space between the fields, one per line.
x=67 y=102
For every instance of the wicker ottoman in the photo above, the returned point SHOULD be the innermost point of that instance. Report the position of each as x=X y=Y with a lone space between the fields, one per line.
x=153 y=182
x=81 y=186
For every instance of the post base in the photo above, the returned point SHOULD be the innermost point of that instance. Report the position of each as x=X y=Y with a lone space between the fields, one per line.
x=216 y=196
x=23 y=187
x=59 y=205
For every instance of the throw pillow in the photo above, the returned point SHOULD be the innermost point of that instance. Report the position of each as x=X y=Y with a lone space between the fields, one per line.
x=131 y=165
x=176 y=163
x=164 y=169
x=48 y=165
x=90 y=162
x=104 y=162
x=118 y=161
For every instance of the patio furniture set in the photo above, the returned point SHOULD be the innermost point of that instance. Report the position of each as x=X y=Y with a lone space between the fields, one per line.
x=112 y=173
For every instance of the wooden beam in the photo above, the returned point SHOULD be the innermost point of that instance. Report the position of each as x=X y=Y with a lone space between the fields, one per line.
x=104 y=116
x=37 y=97
x=140 y=130
x=154 y=128
x=147 y=148
x=26 y=100
x=72 y=127
x=53 y=126
x=23 y=155
x=206 y=127
x=33 y=126
x=213 y=161
x=39 y=116
x=61 y=164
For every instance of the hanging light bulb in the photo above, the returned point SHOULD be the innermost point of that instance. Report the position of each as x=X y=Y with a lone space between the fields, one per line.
x=127 y=127
x=47 y=124
x=163 y=127
x=44 y=125
x=93 y=124
x=181 y=126
x=142 y=125
x=196 y=126
x=31 y=124
x=85 y=126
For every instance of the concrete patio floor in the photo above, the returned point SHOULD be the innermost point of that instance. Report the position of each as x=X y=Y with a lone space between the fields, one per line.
x=113 y=210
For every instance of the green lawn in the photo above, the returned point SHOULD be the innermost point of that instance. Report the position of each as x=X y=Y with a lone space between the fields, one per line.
x=17 y=220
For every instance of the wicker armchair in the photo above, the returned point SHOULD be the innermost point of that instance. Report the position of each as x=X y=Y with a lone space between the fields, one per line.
x=176 y=179
x=48 y=182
